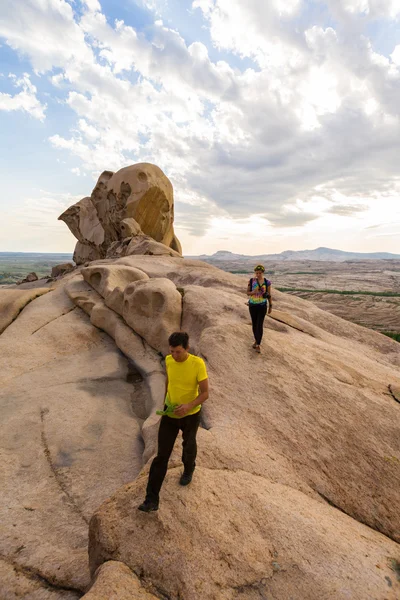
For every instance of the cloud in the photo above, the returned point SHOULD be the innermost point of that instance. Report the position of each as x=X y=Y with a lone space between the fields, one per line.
x=347 y=210
x=45 y=32
x=290 y=219
x=26 y=100
x=317 y=113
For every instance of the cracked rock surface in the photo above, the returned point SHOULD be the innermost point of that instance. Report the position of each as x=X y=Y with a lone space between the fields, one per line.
x=296 y=494
x=69 y=439
x=232 y=534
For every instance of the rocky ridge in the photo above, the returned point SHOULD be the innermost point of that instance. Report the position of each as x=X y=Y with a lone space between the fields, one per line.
x=296 y=490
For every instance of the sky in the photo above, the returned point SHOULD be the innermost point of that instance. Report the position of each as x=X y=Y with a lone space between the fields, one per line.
x=277 y=122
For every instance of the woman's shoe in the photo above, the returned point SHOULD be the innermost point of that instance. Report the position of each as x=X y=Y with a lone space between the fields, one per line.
x=258 y=349
x=255 y=345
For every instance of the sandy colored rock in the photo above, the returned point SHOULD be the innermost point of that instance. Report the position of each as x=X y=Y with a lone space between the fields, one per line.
x=301 y=325
x=105 y=278
x=153 y=309
x=115 y=300
x=130 y=227
x=143 y=358
x=12 y=301
x=135 y=202
x=62 y=269
x=17 y=583
x=29 y=278
x=83 y=222
x=68 y=438
x=114 y=581
x=395 y=391
x=232 y=535
x=144 y=244
x=290 y=441
x=85 y=253
x=145 y=194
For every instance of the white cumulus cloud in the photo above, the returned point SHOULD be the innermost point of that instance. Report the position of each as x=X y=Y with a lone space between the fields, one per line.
x=26 y=100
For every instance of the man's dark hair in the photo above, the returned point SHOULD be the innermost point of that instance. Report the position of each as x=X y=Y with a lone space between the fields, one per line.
x=179 y=338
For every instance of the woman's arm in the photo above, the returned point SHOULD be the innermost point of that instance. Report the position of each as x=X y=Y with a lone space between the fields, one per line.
x=269 y=298
x=253 y=293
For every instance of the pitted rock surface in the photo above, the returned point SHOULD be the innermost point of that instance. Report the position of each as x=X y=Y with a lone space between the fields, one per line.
x=105 y=278
x=153 y=308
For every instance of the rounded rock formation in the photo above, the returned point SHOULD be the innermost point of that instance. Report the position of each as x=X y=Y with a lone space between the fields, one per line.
x=153 y=308
x=136 y=201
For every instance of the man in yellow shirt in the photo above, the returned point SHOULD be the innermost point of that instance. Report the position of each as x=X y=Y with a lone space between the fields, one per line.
x=185 y=391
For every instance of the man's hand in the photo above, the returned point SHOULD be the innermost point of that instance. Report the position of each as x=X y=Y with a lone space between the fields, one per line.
x=182 y=410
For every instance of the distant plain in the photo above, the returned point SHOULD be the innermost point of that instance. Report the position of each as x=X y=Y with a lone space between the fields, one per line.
x=366 y=292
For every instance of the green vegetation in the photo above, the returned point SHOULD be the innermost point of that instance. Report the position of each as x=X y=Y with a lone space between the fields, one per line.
x=15 y=266
x=343 y=292
x=304 y=273
x=393 y=335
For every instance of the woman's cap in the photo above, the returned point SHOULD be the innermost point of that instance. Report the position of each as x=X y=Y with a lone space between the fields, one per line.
x=259 y=268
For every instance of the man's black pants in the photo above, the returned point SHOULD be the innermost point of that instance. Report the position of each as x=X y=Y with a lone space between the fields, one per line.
x=257 y=313
x=169 y=429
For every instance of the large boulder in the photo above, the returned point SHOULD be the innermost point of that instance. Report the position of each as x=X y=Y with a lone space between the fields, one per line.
x=115 y=581
x=62 y=269
x=153 y=308
x=135 y=201
x=233 y=535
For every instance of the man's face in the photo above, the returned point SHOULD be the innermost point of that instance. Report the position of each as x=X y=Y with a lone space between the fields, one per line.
x=179 y=353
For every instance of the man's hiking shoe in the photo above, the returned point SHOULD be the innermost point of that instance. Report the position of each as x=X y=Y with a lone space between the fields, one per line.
x=186 y=478
x=148 y=506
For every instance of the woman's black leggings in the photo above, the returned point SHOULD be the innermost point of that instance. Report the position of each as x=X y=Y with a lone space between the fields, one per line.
x=257 y=313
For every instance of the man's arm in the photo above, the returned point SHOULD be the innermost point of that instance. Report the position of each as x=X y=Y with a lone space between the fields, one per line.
x=183 y=409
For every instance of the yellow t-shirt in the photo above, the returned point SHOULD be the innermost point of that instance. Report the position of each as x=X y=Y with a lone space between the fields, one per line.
x=183 y=381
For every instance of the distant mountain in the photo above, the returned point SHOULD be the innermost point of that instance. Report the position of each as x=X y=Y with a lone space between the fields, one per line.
x=328 y=254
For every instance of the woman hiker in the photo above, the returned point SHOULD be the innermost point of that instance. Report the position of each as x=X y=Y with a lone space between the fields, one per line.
x=259 y=292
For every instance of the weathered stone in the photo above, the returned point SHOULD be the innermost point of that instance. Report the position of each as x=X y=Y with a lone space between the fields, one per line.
x=395 y=391
x=130 y=227
x=234 y=534
x=83 y=222
x=85 y=252
x=62 y=269
x=105 y=278
x=291 y=439
x=142 y=192
x=143 y=244
x=12 y=301
x=153 y=309
x=115 y=300
x=114 y=581
x=136 y=201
